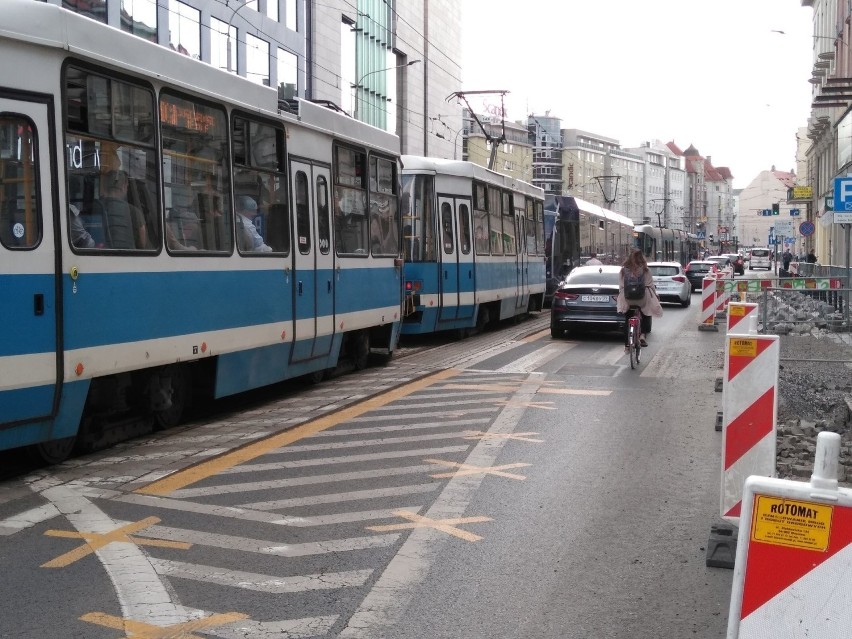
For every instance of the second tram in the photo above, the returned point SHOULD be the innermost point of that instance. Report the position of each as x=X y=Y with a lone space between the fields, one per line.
x=473 y=243
x=660 y=244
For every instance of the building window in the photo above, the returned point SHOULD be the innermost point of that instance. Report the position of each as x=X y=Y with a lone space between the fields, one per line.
x=184 y=29
x=272 y=9
x=95 y=9
x=288 y=75
x=223 y=46
x=347 y=67
x=139 y=17
x=257 y=60
x=290 y=17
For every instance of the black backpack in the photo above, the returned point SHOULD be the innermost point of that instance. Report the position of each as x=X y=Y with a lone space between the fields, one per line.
x=634 y=286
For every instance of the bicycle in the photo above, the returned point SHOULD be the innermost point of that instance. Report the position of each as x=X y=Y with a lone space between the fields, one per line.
x=634 y=346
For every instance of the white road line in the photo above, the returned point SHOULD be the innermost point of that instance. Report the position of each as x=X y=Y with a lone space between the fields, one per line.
x=351 y=517
x=309 y=480
x=28 y=519
x=385 y=441
x=335 y=498
x=528 y=363
x=289 y=629
x=262 y=546
x=385 y=604
x=339 y=432
x=347 y=459
x=259 y=582
x=471 y=397
x=461 y=412
x=141 y=593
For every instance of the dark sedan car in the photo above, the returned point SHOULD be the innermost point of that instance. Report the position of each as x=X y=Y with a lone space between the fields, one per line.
x=697 y=270
x=586 y=299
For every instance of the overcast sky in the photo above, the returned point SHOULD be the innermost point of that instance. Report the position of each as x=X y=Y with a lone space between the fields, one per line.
x=712 y=74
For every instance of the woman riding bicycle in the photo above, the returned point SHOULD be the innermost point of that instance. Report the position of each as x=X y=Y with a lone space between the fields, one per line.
x=635 y=269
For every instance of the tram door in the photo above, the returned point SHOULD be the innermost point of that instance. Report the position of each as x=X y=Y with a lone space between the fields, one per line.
x=313 y=261
x=457 y=283
x=28 y=261
x=522 y=298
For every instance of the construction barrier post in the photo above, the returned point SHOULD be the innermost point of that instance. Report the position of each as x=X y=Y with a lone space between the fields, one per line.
x=708 y=305
x=750 y=409
x=793 y=572
x=722 y=294
x=742 y=317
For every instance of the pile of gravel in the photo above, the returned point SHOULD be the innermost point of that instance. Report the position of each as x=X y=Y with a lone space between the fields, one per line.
x=814 y=395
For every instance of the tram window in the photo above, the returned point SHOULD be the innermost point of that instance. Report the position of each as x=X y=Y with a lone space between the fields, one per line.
x=259 y=151
x=539 y=227
x=417 y=218
x=495 y=221
x=447 y=240
x=384 y=224
x=20 y=208
x=464 y=229
x=323 y=223
x=509 y=247
x=303 y=213
x=529 y=226
x=351 y=223
x=111 y=163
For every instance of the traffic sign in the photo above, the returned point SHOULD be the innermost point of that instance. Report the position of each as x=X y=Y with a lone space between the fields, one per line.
x=795 y=212
x=843 y=199
x=807 y=228
x=700 y=235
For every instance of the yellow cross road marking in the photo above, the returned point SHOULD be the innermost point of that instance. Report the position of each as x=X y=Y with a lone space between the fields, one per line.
x=141 y=630
x=444 y=525
x=542 y=405
x=575 y=391
x=94 y=541
x=496 y=388
x=470 y=469
x=473 y=434
x=203 y=470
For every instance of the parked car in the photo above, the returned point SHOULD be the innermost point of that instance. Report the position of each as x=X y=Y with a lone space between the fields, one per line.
x=671 y=282
x=697 y=270
x=737 y=262
x=586 y=299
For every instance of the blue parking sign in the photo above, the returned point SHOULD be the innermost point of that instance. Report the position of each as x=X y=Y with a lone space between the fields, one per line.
x=843 y=199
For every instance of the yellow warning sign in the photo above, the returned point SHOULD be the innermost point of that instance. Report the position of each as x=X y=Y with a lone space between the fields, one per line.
x=743 y=347
x=792 y=523
x=736 y=310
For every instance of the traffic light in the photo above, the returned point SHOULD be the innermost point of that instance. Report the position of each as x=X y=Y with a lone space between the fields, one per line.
x=711 y=237
x=776 y=209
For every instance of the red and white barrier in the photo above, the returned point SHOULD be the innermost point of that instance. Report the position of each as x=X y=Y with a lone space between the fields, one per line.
x=749 y=411
x=742 y=317
x=708 y=304
x=793 y=569
x=722 y=295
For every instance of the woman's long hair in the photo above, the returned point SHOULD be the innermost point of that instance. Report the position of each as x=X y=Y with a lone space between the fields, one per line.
x=635 y=262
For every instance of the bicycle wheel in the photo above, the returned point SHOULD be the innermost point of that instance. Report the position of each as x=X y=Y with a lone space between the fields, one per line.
x=637 y=346
x=632 y=340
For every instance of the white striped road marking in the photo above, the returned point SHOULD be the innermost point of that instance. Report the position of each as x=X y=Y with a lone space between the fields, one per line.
x=339 y=432
x=468 y=399
x=385 y=604
x=462 y=412
x=259 y=582
x=291 y=628
x=261 y=546
x=485 y=387
x=245 y=514
x=141 y=593
x=335 y=498
x=386 y=441
x=348 y=459
x=28 y=519
x=529 y=363
x=308 y=480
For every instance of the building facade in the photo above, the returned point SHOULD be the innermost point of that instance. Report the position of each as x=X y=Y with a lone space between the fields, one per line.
x=514 y=155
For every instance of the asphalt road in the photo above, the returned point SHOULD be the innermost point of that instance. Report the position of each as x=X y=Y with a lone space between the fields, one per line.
x=508 y=485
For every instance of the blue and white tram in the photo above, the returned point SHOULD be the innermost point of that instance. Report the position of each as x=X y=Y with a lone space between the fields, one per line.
x=576 y=229
x=662 y=244
x=128 y=282
x=473 y=242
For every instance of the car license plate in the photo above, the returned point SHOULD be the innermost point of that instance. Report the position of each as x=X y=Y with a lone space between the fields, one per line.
x=594 y=298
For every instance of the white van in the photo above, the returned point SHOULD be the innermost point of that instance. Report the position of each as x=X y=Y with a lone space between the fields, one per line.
x=759 y=259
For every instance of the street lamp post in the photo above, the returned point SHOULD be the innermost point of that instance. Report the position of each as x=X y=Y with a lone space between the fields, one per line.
x=359 y=84
x=228 y=33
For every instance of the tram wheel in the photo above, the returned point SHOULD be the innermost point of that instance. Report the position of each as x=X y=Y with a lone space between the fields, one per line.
x=53 y=452
x=181 y=388
x=361 y=350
